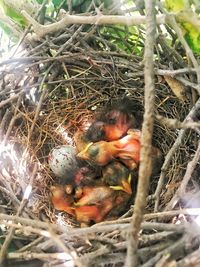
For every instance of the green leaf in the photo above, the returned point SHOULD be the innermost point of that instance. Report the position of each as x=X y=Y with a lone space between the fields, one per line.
x=13 y=14
x=176 y=5
x=57 y=3
x=192 y=36
x=5 y=28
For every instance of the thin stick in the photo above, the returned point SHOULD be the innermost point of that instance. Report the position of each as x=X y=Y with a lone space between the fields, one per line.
x=158 y=215
x=146 y=139
x=176 y=124
x=191 y=260
x=9 y=236
x=68 y=251
x=189 y=52
x=171 y=153
x=188 y=174
x=42 y=30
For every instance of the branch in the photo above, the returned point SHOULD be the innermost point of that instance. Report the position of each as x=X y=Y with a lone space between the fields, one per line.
x=188 y=175
x=179 y=32
x=176 y=124
x=10 y=234
x=190 y=260
x=42 y=30
x=146 y=138
x=171 y=153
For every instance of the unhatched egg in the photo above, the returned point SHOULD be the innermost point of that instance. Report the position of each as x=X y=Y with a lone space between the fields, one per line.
x=62 y=159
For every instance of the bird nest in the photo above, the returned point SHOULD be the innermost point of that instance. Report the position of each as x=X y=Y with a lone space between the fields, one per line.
x=48 y=90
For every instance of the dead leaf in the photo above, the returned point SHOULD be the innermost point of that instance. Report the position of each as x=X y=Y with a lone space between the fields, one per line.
x=177 y=87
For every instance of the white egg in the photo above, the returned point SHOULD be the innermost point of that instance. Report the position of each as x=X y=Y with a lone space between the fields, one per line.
x=62 y=160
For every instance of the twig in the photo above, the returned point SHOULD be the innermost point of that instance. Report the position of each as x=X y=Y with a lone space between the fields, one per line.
x=188 y=83
x=68 y=230
x=28 y=29
x=163 y=261
x=180 y=137
x=147 y=240
x=89 y=230
x=188 y=174
x=172 y=21
x=190 y=168
x=28 y=255
x=191 y=260
x=14 y=118
x=38 y=108
x=176 y=250
x=9 y=236
x=149 y=252
x=158 y=215
x=44 y=89
x=89 y=257
x=171 y=153
x=146 y=138
x=42 y=30
x=113 y=259
x=31 y=244
x=173 y=73
x=10 y=99
x=176 y=124
x=4 y=121
x=68 y=251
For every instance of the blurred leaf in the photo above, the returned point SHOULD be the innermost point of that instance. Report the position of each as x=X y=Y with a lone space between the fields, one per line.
x=7 y=36
x=177 y=88
x=188 y=20
x=192 y=36
x=190 y=23
x=176 y=5
x=13 y=14
x=57 y=3
x=5 y=28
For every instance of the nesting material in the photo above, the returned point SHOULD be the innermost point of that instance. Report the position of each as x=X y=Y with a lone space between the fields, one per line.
x=45 y=100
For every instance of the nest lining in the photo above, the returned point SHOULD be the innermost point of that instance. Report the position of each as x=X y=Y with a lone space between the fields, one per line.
x=46 y=113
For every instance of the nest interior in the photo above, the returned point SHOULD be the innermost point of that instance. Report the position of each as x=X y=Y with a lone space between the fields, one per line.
x=48 y=90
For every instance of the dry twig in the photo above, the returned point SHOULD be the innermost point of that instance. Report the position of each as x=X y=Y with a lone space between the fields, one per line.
x=146 y=138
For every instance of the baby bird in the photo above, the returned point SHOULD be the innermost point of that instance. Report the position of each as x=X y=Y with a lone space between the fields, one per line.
x=94 y=203
x=61 y=201
x=99 y=153
x=93 y=194
x=113 y=122
x=81 y=140
x=83 y=174
x=117 y=176
x=127 y=148
x=105 y=205
x=88 y=214
x=94 y=213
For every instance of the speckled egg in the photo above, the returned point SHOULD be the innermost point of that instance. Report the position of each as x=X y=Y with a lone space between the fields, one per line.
x=62 y=160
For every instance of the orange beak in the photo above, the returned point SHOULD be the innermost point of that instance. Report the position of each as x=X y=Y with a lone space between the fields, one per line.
x=126 y=187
